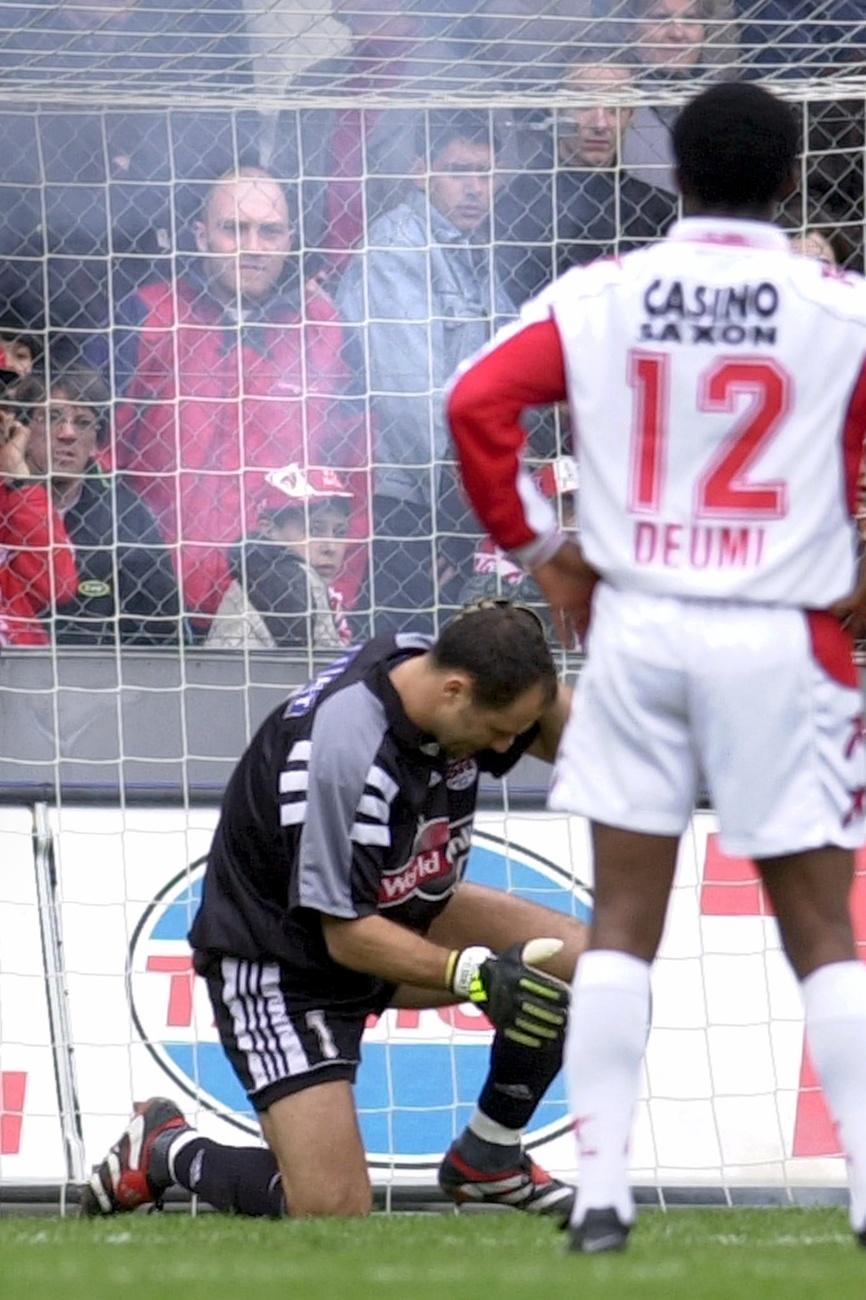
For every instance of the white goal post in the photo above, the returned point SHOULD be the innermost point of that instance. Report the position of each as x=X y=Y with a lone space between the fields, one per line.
x=113 y=755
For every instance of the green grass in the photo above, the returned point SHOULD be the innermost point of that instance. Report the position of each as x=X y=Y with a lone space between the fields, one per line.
x=702 y=1255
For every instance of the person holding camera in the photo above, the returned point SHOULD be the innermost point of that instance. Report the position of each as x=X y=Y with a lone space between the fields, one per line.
x=38 y=563
x=125 y=588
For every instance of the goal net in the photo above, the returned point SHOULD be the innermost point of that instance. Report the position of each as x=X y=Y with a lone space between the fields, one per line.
x=242 y=250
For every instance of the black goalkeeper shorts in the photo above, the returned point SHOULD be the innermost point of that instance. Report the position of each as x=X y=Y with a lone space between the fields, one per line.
x=278 y=1045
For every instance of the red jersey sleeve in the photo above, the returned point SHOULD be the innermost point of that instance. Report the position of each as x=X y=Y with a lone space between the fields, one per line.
x=523 y=367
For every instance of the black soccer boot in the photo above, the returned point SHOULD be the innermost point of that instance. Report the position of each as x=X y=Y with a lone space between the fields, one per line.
x=516 y=1180
x=135 y=1171
x=599 y=1232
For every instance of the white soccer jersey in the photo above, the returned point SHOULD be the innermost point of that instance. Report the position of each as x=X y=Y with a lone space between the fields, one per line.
x=717 y=387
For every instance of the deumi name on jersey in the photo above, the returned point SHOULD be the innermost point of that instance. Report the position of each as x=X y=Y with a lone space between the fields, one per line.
x=699 y=313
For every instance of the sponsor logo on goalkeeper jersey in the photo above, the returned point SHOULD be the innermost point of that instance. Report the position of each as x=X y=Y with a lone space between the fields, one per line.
x=461 y=774
x=437 y=863
x=430 y=862
x=421 y=1070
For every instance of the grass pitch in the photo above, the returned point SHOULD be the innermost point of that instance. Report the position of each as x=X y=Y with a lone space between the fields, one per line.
x=701 y=1255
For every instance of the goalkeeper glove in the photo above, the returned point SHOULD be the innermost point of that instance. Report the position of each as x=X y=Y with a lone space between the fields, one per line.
x=527 y=1004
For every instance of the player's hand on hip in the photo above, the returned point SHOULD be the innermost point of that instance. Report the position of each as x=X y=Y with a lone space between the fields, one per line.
x=525 y=1002
x=568 y=583
x=851 y=610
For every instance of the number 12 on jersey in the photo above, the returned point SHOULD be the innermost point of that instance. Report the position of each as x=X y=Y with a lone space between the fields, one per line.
x=724 y=489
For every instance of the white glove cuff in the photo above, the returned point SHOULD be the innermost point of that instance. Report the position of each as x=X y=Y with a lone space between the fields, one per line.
x=466 y=967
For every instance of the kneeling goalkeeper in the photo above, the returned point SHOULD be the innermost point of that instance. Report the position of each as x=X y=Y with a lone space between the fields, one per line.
x=334 y=890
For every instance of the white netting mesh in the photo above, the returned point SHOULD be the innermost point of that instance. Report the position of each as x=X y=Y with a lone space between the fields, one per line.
x=381 y=51
x=427 y=168
x=118 y=119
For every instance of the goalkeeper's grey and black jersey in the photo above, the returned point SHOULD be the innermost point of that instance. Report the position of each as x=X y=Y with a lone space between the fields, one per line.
x=342 y=806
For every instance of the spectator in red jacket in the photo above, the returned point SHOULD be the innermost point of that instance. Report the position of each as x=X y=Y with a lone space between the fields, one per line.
x=230 y=372
x=37 y=564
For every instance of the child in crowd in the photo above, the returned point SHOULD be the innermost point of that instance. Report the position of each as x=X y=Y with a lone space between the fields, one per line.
x=281 y=592
x=18 y=355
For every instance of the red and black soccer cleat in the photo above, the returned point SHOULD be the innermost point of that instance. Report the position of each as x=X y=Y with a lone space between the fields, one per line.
x=129 y=1176
x=523 y=1186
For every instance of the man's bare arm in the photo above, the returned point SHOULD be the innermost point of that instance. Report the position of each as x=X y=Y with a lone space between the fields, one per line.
x=568 y=583
x=380 y=947
x=851 y=610
x=521 y=999
x=551 y=724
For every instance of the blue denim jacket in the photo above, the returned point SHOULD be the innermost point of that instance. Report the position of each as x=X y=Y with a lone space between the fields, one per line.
x=423 y=297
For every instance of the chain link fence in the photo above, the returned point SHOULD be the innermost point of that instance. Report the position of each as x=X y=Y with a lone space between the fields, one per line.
x=243 y=246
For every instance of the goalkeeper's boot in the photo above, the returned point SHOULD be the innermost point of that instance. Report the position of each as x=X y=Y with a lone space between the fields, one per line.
x=135 y=1171
x=522 y=1184
x=600 y=1231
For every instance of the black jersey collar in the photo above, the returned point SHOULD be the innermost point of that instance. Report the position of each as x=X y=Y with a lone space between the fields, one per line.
x=404 y=730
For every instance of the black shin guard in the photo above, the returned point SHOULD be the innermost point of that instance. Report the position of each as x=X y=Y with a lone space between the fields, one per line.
x=519 y=1077
x=237 y=1180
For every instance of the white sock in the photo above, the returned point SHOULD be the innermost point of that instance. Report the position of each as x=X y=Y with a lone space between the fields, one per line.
x=835 y=1003
x=490 y=1131
x=606 y=1039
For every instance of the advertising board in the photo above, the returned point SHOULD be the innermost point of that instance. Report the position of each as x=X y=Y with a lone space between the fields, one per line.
x=728 y=1095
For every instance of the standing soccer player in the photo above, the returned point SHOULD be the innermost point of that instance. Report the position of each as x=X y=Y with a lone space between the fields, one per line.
x=334 y=890
x=718 y=384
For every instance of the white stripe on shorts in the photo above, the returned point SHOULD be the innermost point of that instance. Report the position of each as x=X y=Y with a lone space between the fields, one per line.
x=233 y=976
x=272 y=1059
x=277 y=1014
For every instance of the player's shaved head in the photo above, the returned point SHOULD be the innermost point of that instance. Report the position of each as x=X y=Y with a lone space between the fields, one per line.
x=736 y=149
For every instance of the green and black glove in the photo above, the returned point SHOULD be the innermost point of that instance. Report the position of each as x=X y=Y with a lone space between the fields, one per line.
x=527 y=1004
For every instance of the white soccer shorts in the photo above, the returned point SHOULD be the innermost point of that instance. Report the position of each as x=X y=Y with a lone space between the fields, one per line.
x=761 y=701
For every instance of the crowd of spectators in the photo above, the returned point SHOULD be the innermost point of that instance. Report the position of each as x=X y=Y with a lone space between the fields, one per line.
x=225 y=333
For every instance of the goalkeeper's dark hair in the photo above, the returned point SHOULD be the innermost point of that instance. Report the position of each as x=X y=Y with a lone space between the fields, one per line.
x=438 y=127
x=736 y=147
x=504 y=650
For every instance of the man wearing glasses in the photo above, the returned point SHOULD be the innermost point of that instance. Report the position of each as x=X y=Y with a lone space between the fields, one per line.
x=126 y=589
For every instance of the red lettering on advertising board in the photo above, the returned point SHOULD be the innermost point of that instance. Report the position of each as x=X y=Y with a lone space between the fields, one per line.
x=179 y=989
x=13 y=1087
x=732 y=887
x=464 y=1018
